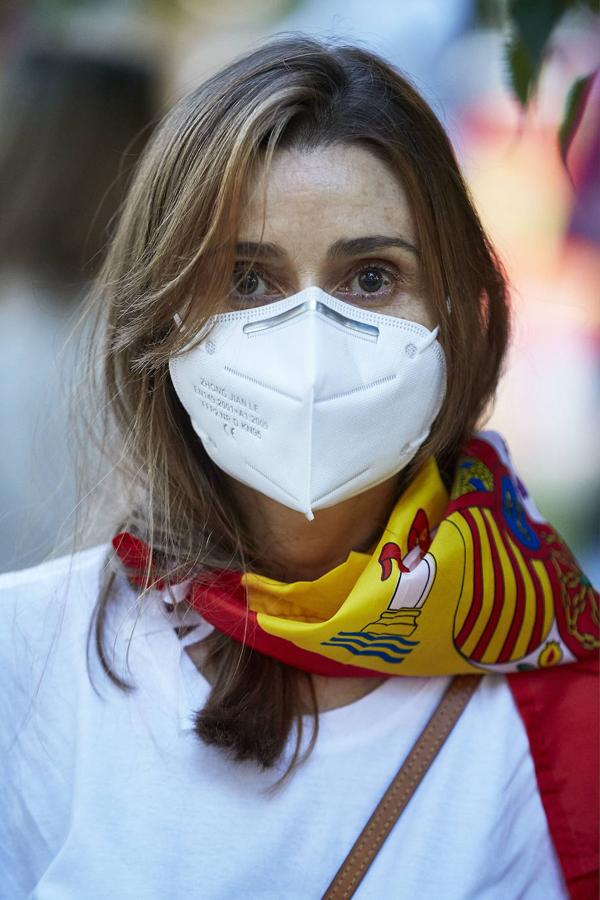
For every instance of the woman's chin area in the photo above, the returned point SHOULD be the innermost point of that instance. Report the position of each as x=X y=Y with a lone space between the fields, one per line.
x=292 y=548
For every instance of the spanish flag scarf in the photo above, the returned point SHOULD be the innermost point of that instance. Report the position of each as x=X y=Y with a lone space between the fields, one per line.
x=472 y=582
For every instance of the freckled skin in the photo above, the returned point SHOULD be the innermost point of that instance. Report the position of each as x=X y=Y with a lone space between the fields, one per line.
x=307 y=202
x=310 y=200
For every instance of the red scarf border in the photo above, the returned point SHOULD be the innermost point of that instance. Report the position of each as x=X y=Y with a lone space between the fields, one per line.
x=230 y=615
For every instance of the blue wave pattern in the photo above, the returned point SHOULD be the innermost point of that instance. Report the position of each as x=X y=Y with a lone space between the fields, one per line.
x=391 y=648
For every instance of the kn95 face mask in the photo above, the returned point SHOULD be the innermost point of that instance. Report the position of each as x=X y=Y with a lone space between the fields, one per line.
x=310 y=400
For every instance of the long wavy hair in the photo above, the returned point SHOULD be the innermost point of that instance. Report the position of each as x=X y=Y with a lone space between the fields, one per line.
x=173 y=251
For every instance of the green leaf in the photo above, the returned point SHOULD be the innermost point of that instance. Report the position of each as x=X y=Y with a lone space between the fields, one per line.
x=531 y=24
x=534 y=21
x=520 y=69
x=574 y=109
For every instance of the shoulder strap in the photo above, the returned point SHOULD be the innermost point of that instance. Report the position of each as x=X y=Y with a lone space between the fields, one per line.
x=406 y=781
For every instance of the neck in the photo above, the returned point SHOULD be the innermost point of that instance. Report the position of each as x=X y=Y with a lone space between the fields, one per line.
x=290 y=548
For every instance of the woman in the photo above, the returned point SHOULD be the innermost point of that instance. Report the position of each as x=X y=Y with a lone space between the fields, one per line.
x=305 y=323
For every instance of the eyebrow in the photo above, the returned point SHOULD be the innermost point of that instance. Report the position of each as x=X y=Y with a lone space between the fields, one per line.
x=341 y=249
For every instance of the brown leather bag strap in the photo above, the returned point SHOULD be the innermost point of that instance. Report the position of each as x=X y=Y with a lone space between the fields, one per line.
x=406 y=781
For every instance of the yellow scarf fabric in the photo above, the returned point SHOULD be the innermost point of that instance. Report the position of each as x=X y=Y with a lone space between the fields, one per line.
x=468 y=582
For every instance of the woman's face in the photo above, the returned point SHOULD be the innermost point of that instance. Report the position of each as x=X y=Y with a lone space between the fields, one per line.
x=337 y=218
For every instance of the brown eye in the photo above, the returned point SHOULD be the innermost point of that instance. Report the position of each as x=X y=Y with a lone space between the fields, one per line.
x=370 y=280
x=247 y=283
x=251 y=287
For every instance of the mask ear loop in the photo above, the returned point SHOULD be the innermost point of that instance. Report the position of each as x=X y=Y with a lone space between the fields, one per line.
x=178 y=321
x=428 y=341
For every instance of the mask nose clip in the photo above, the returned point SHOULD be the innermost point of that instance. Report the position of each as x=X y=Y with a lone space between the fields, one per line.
x=364 y=329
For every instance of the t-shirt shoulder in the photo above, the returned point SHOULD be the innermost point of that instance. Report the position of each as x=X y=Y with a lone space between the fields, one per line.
x=54 y=571
x=42 y=608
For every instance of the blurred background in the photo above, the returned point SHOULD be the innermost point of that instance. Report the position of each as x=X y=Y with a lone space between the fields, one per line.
x=82 y=84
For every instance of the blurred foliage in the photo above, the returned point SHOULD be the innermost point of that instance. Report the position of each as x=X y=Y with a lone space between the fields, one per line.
x=574 y=109
x=531 y=23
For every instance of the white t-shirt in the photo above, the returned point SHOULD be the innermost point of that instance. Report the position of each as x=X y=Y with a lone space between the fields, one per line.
x=113 y=795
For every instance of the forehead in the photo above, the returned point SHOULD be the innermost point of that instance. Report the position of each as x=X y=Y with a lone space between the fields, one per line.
x=330 y=189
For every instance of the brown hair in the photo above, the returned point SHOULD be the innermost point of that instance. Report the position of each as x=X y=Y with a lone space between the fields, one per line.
x=175 y=241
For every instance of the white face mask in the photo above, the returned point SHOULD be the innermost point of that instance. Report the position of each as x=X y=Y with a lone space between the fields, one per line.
x=310 y=400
